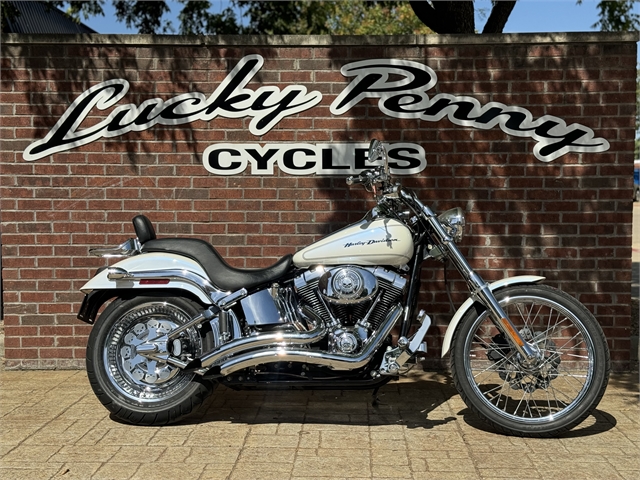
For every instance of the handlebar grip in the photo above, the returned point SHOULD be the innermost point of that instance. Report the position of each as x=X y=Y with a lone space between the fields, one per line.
x=364 y=177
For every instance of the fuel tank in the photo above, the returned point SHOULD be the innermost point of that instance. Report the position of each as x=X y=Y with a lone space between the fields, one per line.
x=379 y=241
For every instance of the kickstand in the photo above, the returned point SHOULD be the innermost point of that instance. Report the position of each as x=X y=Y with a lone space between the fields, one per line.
x=375 y=401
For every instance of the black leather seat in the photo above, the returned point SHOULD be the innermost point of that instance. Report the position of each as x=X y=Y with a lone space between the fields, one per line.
x=221 y=274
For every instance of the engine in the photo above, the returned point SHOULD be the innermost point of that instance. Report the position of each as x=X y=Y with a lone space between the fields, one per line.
x=351 y=300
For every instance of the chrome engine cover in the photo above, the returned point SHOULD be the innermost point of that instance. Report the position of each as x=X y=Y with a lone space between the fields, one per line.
x=347 y=340
x=351 y=301
x=348 y=285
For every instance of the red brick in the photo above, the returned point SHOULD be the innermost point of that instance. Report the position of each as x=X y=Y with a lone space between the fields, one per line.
x=569 y=219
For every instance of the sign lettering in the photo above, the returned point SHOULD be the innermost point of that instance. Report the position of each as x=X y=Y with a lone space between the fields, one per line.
x=266 y=105
x=305 y=159
x=401 y=87
x=407 y=98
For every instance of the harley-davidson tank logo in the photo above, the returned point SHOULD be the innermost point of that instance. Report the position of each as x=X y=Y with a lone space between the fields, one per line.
x=369 y=242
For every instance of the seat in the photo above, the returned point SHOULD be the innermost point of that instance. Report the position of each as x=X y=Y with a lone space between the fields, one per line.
x=223 y=276
x=144 y=229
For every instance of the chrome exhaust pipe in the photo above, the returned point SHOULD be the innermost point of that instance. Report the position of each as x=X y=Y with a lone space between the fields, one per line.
x=272 y=339
x=333 y=361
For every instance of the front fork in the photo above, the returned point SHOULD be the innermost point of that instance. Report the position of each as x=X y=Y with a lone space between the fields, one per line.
x=480 y=291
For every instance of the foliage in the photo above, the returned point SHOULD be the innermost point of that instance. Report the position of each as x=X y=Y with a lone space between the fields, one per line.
x=76 y=9
x=281 y=18
x=7 y=12
x=321 y=17
x=637 y=144
x=302 y=17
x=196 y=19
x=616 y=16
x=146 y=17
x=356 y=17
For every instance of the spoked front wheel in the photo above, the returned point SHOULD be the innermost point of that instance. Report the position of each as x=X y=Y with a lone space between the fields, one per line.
x=543 y=398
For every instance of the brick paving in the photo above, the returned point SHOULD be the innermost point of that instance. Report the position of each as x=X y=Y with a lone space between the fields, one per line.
x=52 y=427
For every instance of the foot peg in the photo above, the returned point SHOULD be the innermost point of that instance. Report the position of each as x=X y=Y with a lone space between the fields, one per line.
x=395 y=358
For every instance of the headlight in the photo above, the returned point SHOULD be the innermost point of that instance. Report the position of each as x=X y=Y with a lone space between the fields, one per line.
x=453 y=223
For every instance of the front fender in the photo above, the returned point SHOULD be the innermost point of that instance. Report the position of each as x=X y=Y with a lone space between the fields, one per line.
x=468 y=304
x=186 y=274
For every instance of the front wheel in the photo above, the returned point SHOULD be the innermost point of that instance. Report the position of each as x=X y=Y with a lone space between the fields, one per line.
x=135 y=387
x=543 y=399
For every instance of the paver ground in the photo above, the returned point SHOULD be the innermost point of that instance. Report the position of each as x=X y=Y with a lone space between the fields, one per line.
x=53 y=427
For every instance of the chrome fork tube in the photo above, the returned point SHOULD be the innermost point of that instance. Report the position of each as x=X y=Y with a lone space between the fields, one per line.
x=479 y=289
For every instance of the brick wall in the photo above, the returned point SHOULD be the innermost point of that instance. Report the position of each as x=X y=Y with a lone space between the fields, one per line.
x=568 y=219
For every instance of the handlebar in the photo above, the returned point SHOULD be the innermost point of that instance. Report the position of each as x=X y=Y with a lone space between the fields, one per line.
x=378 y=175
x=365 y=177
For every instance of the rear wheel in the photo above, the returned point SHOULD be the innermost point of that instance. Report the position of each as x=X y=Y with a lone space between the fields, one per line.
x=136 y=387
x=554 y=394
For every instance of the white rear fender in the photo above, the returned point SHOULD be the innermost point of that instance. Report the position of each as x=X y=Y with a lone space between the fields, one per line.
x=468 y=304
x=156 y=271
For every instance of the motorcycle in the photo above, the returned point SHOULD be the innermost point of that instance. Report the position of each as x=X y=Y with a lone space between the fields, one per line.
x=528 y=359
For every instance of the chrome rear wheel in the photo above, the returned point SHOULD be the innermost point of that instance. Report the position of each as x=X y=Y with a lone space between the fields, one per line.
x=127 y=360
x=141 y=376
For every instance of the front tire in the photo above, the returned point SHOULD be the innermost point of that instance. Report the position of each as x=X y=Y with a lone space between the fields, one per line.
x=540 y=400
x=134 y=388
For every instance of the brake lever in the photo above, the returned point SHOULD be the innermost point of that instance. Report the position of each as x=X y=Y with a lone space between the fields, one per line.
x=364 y=178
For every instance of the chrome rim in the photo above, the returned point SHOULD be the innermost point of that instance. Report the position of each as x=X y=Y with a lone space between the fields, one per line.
x=141 y=378
x=537 y=394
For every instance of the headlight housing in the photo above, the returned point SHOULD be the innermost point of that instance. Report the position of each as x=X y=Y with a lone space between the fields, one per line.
x=453 y=222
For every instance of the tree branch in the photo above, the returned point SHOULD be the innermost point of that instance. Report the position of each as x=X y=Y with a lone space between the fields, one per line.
x=426 y=13
x=446 y=17
x=499 y=16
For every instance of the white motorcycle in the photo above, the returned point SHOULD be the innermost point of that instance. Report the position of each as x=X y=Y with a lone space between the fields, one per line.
x=528 y=359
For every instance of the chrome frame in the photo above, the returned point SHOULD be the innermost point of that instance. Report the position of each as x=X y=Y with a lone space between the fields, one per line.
x=126 y=249
x=396 y=358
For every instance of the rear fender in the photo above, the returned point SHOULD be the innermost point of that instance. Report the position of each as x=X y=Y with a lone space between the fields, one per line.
x=93 y=301
x=147 y=273
x=468 y=304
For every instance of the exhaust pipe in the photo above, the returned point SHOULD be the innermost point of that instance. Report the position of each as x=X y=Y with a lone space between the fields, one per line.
x=272 y=339
x=335 y=362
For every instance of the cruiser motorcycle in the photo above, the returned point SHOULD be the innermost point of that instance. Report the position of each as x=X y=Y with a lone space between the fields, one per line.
x=528 y=359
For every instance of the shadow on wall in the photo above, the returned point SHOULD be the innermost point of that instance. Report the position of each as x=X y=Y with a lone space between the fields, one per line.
x=523 y=213
x=562 y=220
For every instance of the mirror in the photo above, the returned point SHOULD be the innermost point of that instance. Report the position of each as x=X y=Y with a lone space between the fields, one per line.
x=374 y=150
x=378 y=152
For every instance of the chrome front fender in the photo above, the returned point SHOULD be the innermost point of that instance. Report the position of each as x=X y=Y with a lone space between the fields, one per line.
x=468 y=304
x=156 y=271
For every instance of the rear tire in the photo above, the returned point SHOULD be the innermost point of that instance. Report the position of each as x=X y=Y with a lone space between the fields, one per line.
x=536 y=401
x=134 y=388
